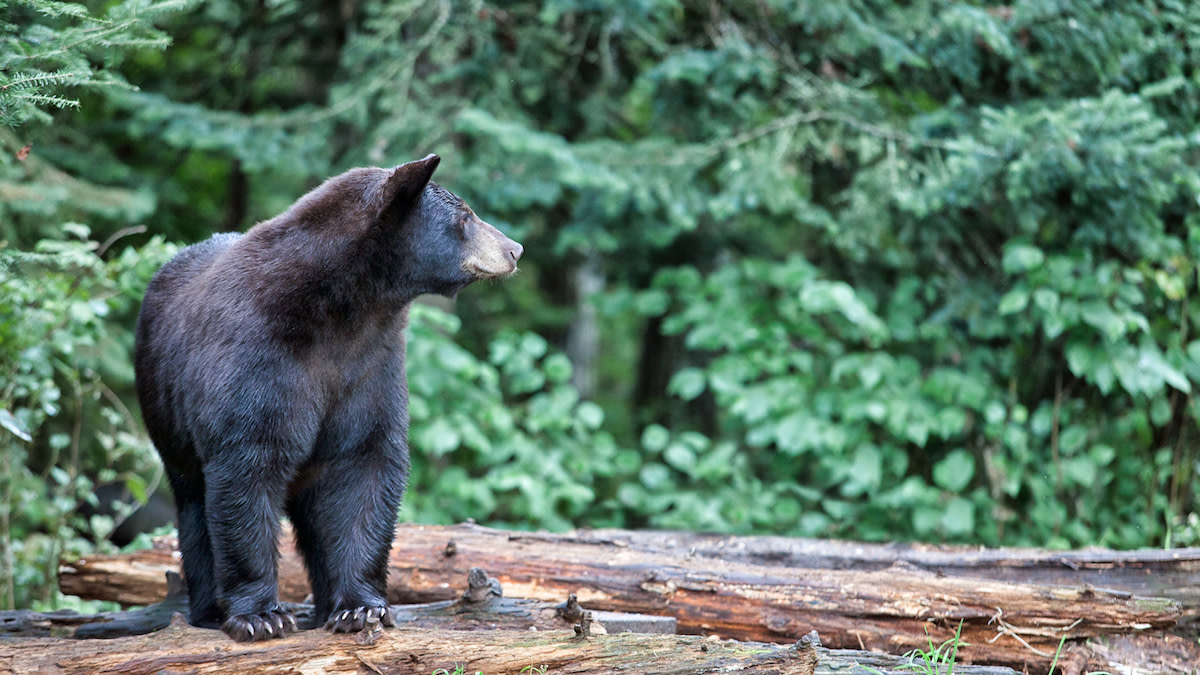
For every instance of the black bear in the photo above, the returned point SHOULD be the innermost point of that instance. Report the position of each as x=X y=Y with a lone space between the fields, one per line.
x=270 y=370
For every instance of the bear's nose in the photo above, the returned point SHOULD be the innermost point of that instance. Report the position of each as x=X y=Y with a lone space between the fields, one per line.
x=515 y=251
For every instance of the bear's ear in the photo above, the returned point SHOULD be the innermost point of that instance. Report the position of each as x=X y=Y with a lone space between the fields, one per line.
x=401 y=189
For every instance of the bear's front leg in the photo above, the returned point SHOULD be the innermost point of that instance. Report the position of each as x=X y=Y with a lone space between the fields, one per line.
x=344 y=514
x=243 y=501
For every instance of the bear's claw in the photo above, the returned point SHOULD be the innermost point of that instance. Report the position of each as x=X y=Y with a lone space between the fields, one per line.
x=359 y=618
x=274 y=623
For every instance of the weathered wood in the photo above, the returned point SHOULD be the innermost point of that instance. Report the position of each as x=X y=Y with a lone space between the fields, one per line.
x=137 y=578
x=889 y=609
x=481 y=607
x=1168 y=654
x=1167 y=573
x=181 y=648
x=71 y=624
x=735 y=590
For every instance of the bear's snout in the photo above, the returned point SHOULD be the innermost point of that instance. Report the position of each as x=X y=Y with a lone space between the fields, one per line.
x=490 y=254
x=514 y=250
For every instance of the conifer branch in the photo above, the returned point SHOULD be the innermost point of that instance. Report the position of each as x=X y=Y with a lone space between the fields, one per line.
x=38 y=79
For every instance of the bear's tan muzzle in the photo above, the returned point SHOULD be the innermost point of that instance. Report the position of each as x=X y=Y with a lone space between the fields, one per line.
x=490 y=254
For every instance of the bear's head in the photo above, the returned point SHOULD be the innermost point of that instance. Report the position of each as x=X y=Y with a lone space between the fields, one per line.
x=447 y=245
x=396 y=227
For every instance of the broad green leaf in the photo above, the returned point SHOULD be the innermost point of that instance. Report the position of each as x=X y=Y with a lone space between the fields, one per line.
x=437 y=438
x=1151 y=359
x=688 y=383
x=590 y=414
x=1080 y=470
x=1072 y=438
x=1022 y=258
x=866 y=471
x=1013 y=301
x=955 y=471
x=680 y=457
x=959 y=517
x=13 y=425
x=655 y=437
x=557 y=367
x=655 y=476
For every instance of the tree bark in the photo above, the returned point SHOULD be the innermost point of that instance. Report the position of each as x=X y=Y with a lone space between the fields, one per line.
x=482 y=606
x=1169 y=573
x=182 y=648
x=889 y=598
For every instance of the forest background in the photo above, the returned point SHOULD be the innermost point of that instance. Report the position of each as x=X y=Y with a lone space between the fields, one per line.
x=863 y=269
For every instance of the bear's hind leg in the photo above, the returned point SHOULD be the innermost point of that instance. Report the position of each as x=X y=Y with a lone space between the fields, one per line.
x=195 y=547
x=344 y=515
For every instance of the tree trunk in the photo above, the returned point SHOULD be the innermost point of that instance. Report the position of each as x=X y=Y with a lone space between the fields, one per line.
x=583 y=334
x=772 y=589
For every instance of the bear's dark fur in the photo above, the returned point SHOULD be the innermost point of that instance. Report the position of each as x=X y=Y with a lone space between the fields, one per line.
x=270 y=370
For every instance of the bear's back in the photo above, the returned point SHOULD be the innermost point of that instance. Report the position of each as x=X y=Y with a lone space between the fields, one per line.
x=191 y=262
x=160 y=355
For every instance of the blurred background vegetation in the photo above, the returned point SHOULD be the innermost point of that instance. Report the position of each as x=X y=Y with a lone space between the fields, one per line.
x=889 y=271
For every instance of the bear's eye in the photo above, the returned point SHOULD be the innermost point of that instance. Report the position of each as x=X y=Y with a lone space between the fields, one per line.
x=466 y=226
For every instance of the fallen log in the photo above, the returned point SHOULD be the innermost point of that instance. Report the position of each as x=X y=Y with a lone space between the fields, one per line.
x=741 y=595
x=70 y=624
x=482 y=606
x=182 y=648
x=1166 y=573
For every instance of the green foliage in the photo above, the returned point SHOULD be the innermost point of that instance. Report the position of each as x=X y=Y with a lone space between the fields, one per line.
x=839 y=403
x=459 y=669
x=504 y=439
x=63 y=345
x=940 y=658
x=49 y=46
x=52 y=55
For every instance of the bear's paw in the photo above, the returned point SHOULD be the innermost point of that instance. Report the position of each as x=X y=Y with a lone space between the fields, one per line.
x=255 y=627
x=360 y=618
